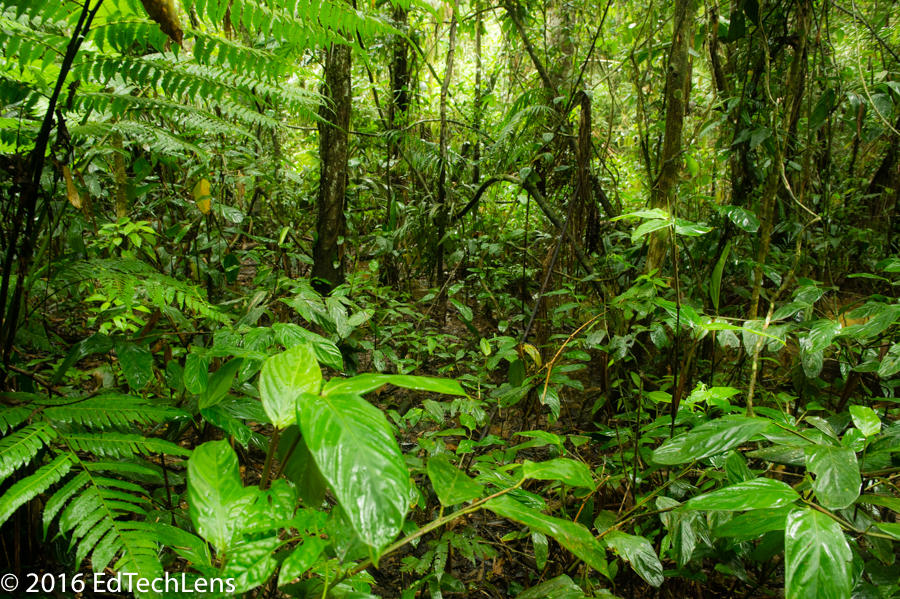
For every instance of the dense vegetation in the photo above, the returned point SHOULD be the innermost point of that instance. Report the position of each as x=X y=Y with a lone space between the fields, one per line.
x=474 y=299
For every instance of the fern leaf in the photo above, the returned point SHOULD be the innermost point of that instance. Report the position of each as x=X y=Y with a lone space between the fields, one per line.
x=10 y=418
x=114 y=410
x=28 y=488
x=119 y=445
x=19 y=448
x=59 y=499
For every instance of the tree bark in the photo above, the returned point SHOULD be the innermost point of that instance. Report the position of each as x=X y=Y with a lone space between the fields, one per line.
x=678 y=88
x=328 y=252
x=442 y=215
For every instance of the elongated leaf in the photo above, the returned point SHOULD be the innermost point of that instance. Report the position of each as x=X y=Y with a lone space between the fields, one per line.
x=196 y=373
x=757 y=494
x=638 y=552
x=251 y=564
x=301 y=559
x=136 y=363
x=289 y=334
x=283 y=378
x=220 y=383
x=451 y=484
x=715 y=282
x=571 y=535
x=570 y=472
x=98 y=343
x=710 y=438
x=352 y=444
x=755 y=523
x=216 y=495
x=29 y=487
x=837 y=481
x=817 y=557
x=364 y=383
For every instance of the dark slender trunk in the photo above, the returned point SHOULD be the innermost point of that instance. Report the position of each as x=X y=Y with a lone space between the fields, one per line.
x=328 y=251
x=442 y=215
x=678 y=87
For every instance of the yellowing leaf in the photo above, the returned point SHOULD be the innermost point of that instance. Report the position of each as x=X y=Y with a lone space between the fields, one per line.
x=71 y=192
x=533 y=352
x=202 y=195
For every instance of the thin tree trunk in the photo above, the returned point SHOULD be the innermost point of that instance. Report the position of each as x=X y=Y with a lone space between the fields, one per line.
x=442 y=215
x=328 y=253
x=678 y=87
x=793 y=95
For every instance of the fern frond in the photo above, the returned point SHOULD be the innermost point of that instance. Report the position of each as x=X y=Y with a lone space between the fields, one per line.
x=114 y=410
x=128 y=282
x=20 y=447
x=137 y=469
x=12 y=417
x=94 y=520
x=120 y=445
x=31 y=486
x=59 y=499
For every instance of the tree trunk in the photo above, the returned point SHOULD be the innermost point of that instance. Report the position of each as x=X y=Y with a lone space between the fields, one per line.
x=678 y=88
x=328 y=252
x=442 y=215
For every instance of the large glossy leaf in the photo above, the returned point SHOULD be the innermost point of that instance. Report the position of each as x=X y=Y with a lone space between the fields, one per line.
x=710 y=438
x=638 y=552
x=570 y=472
x=352 y=444
x=571 y=535
x=817 y=557
x=451 y=484
x=301 y=559
x=866 y=420
x=837 y=481
x=283 y=378
x=364 y=383
x=757 y=494
x=136 y=363
x=215 y=494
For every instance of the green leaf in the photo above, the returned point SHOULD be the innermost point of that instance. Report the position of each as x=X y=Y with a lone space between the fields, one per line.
x=196 y=373
x=890 y=364
x=352 y=443
x=571 y=535
x=817 y=557
x=570 y=472
x=136 y=363
x=450 y=483
x=364 y=383
x=220 y=383
x=715 y=283
x=301 y=559
x=757 y=494
x=187 y=545
x=710 y=438
x=638 y=552
x=28 y=488
x=866 y=420
x=754 y=524
x=98 y=343
x=561 y=587
x=464 y=310
x=283 y=378
x=837 y=481
x=742 y=219
x=891 y=528
x=216 y=495
x=251 y=564
x=648 y=227
x=289 y=334
x=541 y=549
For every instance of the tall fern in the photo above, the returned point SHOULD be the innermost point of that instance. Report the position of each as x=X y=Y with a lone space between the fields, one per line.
x=95 y=466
